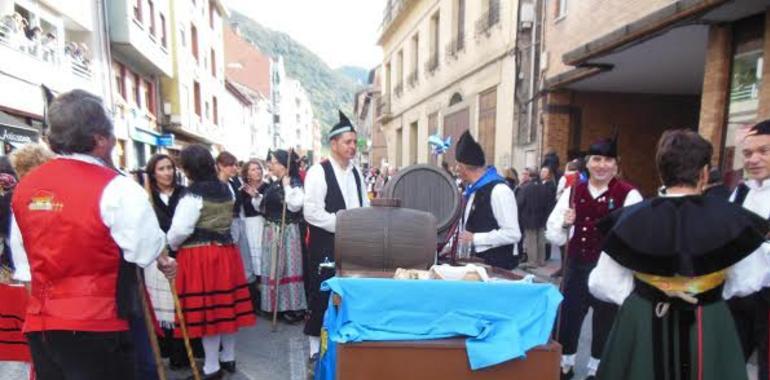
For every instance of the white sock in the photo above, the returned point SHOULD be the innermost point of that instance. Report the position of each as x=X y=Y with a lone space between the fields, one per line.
x=228 y=348
x=211 y=349
x=593 y=366
x=567 y=362
x=315 y=345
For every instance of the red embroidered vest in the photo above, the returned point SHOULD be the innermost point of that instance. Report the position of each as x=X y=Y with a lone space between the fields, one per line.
x=585 y=244
x=72 y=256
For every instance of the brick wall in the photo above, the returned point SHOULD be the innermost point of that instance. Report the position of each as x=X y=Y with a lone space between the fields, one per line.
x=716 y=85
x=641 y=120
x=556 y=120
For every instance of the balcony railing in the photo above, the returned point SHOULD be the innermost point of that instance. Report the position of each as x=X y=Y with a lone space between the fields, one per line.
x=398 y=90
x=73 y=58
x=488 y=19
x=413 y=78
x=432 y=65
x=455 y=46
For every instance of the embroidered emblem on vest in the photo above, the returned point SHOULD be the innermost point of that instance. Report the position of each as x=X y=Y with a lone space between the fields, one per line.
x=44 y=201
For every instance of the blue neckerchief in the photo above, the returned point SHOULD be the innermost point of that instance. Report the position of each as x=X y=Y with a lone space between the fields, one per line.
x=489 y=176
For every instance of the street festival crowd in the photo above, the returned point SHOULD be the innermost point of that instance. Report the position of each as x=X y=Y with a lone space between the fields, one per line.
x=98 y=264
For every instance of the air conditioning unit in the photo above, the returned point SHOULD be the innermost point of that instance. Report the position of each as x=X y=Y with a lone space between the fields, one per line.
x=544 y=60
x=527 y=16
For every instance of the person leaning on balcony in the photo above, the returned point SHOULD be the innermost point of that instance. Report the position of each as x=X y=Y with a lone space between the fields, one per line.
x=78 y=228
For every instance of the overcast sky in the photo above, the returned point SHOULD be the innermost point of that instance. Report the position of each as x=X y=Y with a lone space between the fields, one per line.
x=341 y=32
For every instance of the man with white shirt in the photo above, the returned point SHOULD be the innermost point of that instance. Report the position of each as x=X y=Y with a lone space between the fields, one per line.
x=74 y=218
x=331 y=186
x=575 y=217
x=751 y=312
x=490 y=223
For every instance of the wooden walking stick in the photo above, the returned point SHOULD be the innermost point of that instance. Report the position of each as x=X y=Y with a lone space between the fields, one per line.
x=277 y=252
x=150 y=327
x=564 y=261
x=183 y=327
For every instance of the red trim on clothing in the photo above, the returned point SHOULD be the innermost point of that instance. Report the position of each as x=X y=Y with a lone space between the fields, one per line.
x=286 y=280
x=699 y=313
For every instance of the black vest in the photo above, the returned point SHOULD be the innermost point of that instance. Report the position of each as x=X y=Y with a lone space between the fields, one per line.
x=248 y=208
x=322 y=241
x=235 y=184
x=165 y=212
x=272 y=203
x=482 y=219
x=740 y=196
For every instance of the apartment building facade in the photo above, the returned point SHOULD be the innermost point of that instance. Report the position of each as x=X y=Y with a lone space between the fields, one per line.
x=59 y=45
x=192 y=96
x=140 y=49
x=450 y=66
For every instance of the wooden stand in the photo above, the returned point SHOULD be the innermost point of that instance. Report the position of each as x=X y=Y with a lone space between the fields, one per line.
x=444 y=359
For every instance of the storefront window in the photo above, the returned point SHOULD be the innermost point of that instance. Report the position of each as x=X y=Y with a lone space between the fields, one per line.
x=746 y=81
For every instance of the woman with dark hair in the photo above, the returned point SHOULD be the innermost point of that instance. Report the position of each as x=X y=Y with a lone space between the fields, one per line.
x=164 y=192
x=285 y=245
x=671 y=262
x=251 y=195
x=210 y=282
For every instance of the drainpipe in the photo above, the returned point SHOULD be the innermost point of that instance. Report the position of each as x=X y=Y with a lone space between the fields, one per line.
x=532 y=70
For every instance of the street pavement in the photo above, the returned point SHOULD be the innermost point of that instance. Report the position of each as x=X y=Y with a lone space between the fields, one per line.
x=262 y=354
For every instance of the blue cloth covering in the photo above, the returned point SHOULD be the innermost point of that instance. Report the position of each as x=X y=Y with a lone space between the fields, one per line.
x=501 y=320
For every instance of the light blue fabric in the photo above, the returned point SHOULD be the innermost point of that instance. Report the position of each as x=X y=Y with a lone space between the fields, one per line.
x=490 y=175
x=502 y=320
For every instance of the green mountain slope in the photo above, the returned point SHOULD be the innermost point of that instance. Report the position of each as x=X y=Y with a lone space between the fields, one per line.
x=359 y=75
x=328 y=90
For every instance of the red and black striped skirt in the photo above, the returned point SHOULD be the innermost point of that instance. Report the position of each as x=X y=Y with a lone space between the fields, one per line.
x=212 y=291
x=13 y=308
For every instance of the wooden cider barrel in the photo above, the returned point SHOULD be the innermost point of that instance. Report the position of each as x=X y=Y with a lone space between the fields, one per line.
x=427 y=188
x=384 y=237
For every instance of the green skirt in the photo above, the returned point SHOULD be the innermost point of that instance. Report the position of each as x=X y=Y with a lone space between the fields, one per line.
x=629 y=355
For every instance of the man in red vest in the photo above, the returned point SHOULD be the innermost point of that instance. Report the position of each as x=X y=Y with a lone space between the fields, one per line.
x=77 y=224
x=575 y=216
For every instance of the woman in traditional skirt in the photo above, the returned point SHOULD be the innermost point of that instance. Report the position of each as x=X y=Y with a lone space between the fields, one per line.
x=210 y=281
x=670 y=262
x=165 y=192
x=251 y=194
x=289 y=296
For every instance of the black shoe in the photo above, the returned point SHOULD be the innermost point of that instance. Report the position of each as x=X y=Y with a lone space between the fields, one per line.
x=311 y=366
x=255 y=296
x=592 y=377
x=178 y=366
x=293 y=317
x=214 y=376
x=228 y=366
x=566 y=376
